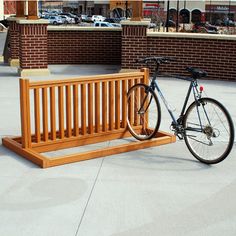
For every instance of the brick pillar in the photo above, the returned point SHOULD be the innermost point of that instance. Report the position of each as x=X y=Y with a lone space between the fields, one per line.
x=33 y=47
x=134 y=43
x=14 y=42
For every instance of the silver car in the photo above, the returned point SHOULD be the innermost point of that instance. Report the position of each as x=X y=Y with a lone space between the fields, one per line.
x=55 y=20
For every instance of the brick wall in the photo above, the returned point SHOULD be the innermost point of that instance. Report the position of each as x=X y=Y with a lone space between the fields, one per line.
x=134 y=44
x=33 y=46
x=216 y=56
x=37 y=46
x=14 y=41
x=84 y=47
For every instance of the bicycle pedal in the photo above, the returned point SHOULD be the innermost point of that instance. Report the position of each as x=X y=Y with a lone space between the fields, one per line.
x=179 y=136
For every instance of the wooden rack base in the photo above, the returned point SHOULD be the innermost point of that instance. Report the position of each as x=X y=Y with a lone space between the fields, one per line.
x=33 y=155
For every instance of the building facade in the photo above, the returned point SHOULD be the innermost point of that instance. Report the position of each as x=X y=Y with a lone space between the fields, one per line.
x=223 y=11
x=202 y=10
x=188 y=11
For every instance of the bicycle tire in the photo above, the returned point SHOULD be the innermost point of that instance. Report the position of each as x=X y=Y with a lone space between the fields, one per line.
x=141 y=100
x=214 y=142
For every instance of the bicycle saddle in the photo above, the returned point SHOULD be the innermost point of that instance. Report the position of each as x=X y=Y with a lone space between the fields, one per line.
x=196 y=73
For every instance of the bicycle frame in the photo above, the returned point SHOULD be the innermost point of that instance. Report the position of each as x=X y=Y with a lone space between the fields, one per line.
x=192 y=87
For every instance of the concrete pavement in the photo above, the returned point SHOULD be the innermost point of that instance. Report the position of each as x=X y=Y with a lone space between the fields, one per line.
x=156 y=191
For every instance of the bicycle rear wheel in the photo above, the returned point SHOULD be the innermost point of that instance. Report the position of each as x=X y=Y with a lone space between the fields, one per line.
x=209 y=131
x=144 y=113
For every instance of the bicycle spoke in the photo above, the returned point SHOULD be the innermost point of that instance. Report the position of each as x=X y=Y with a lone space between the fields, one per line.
x=214 y=141
x=141 y=101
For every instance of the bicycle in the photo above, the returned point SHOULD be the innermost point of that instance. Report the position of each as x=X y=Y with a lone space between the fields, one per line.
x=205 y=126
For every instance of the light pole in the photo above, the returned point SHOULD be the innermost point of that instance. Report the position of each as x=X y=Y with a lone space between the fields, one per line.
x=229 y=9
x=126 y=9
x=184 y=12
x=210 y=13
x=177 y=17
x=168 y=16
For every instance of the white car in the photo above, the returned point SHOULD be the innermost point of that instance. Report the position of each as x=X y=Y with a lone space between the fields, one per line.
x=98 y=18
x=103 y=24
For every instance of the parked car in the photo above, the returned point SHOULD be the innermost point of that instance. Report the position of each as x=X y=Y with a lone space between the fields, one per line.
x=113 y=20
x=116 y=24
x=67 y=20
x=229 y=23
x=225 y=22
x=84 y=18
x=103 y=24
x=55 y=20
x=98 y=18
x=73 y=18
x=204 y=28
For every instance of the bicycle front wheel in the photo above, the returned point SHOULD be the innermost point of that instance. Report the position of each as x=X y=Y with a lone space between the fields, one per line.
x=144 y=113
x=209 y=131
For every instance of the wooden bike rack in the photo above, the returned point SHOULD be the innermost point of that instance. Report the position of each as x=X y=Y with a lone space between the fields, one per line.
x=62 y=114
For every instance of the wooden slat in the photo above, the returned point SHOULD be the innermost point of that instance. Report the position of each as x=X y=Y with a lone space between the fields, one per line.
x=37 y=116
x=53 y=113
x=131 y=103
x=136 y=106
x=25 y=113
x=124 y=103
x=87 y=79
x=145 y=77
x=111 y=105
x=145 y=81
x=83 y=109
x=61 y=112
x=68 y=112
x=45 y=113
x=97 y=107
x=142 y=97
x=27 y=95
x=90 y=109
x=75 y=110
x=117 y=104
x=104 y=106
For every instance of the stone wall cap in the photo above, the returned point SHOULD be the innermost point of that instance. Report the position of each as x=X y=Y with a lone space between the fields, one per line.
x=191 y=35
x=39 y=21
x=81 y=28
x=14 y=18
x=135 y=23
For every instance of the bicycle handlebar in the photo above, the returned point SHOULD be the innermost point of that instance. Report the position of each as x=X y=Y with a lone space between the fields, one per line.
x=158 y=60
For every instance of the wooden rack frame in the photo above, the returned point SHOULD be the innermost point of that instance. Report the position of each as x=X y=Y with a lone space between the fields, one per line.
x=69 y=113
